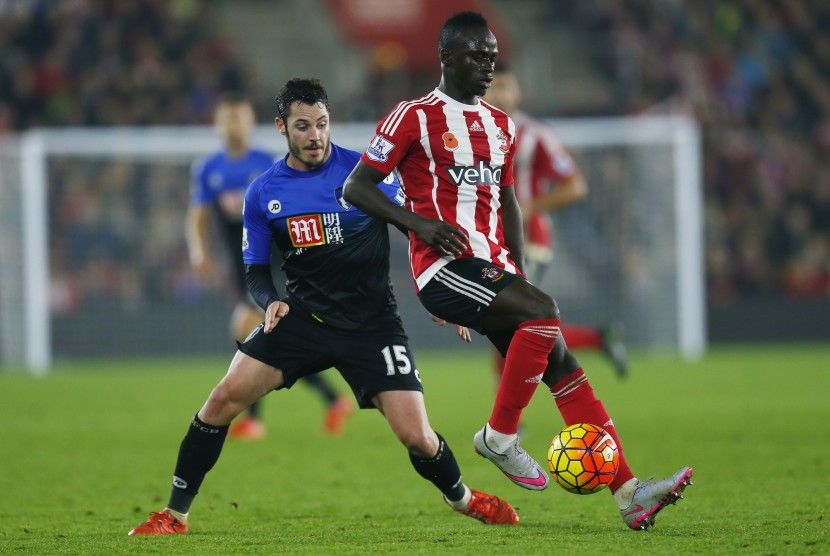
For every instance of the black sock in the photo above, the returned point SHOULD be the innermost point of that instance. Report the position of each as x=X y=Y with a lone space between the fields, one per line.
x=198 y=454
x=322 y=387
x=253 y=410
x=442 y=471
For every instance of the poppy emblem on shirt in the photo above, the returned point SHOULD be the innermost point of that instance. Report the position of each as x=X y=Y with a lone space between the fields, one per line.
x=450 y=141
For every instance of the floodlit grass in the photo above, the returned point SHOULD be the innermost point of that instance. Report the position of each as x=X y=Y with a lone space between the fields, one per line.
x=88 y=451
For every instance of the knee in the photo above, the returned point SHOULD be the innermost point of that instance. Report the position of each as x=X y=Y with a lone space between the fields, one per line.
x=221 y=405
x=561 y=363
x=544 y=307
x=422 y=443
x=221 y=395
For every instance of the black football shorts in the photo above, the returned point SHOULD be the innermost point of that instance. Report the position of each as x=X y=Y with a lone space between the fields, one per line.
x=462 y=291
x=372 y=359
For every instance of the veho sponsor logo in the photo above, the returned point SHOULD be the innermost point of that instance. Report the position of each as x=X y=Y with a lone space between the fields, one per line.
x=480 y=174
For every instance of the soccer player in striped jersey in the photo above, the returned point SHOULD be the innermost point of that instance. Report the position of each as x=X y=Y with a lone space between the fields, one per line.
x=454 y=154
x=218 y=183
x=546 y=179
x=339 y=311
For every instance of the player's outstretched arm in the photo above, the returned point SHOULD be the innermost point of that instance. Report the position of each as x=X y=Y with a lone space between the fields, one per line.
x=563 y=193
x=361 y=190
x=262 y=289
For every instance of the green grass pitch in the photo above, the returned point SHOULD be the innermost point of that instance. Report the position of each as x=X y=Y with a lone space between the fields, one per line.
x=87 y=451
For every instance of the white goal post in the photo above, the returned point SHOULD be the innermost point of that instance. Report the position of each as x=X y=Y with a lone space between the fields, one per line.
x=644 y=215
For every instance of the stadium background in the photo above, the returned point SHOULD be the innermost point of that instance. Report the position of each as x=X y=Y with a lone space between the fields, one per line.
x=86 y=451
x=752 y=73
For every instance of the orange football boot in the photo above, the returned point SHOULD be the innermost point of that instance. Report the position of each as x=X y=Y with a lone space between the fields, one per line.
x=489 y=509
x=160 y=523
x=247 y=428
x=336 y=416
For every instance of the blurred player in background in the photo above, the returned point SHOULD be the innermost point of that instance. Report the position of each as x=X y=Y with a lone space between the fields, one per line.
x=546 y=179
x=454 y=153
x=339 y=311
x=218 y=188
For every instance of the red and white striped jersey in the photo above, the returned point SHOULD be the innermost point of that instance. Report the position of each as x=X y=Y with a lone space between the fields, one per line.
x=451 y=159
x=540 y=161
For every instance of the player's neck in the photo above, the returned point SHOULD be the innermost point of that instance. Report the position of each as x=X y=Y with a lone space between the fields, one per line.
x=456 y=94
x=236 y=149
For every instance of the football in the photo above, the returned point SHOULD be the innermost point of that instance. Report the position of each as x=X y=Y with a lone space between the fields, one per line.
x=583 y=458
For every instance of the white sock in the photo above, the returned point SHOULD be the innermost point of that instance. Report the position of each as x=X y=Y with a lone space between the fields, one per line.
x=625 y=493
x=462 y=504
x=178 y=515
x=498 y=441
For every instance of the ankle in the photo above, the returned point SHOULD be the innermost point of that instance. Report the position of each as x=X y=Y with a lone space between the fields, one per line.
x=179 y=516
x=625 y=493
x=497 y=441
x=462 y=503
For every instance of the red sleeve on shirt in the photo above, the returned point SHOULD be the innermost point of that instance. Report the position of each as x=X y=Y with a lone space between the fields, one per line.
x=551 y=160
x=507 y=178
x=393 y=138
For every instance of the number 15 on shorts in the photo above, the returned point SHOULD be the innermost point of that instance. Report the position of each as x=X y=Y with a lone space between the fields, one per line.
x=397 y=360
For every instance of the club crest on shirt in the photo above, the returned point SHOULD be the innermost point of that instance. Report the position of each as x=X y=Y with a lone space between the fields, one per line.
x=215 y=180
x=338 y=196
x=378 y=149
x=504 y=144
x=491 y=273
x=450 y=141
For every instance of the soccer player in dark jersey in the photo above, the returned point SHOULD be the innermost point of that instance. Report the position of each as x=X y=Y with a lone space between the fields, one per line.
x=218 y=188
x=546 y=179
x=454 y=155
x=339 y=311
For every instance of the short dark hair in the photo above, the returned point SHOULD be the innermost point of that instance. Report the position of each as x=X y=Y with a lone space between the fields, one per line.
x=457 y=23
x=306 y=90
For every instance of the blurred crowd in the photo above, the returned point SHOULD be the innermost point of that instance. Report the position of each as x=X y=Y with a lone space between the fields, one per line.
x=756 y=75
x=116 y=241
x=104 y=62
x=115 y=225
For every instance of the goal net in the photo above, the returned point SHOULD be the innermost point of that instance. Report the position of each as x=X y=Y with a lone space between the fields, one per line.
x=93 y=259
